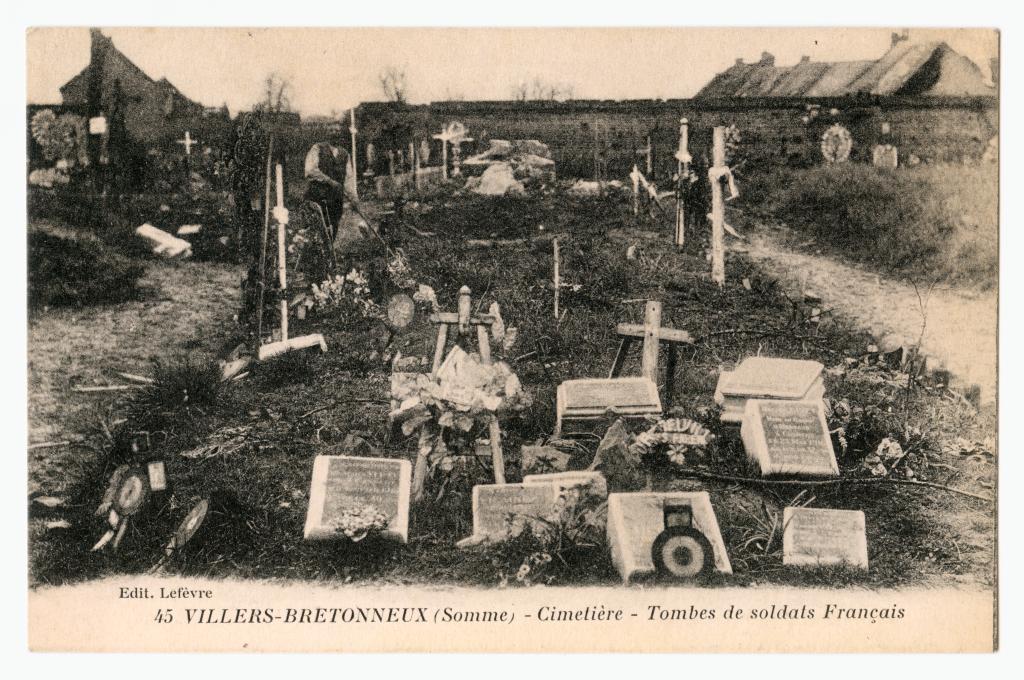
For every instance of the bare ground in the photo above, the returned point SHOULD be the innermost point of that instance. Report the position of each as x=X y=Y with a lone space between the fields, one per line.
x=956 y=327
x=185 y=309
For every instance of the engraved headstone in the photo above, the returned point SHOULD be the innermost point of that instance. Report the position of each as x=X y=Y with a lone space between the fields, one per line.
x=884 y=156
x=820 y=537
x=345 y=483
x=767 y=378
x=635 y=520
x=788 y=438
x=504 y=510
x=588 y=481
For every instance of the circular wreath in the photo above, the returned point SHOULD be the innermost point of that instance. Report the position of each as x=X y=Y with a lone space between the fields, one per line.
x=836 y=144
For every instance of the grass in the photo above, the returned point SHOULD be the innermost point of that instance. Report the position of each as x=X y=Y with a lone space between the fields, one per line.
x=936 y=222
x=261 y=442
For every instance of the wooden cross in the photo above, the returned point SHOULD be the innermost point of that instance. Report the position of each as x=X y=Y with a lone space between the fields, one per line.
x=653 y=334
x=464 y=322
x=587 y=399
x=682 y=179
x=187 y=142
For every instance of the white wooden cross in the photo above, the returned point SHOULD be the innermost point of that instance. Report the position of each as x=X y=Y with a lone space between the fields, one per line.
x=187 y=142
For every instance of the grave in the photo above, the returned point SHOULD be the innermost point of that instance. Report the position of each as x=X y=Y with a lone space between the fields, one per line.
x=821 y=537
x=593 y=398
x=635 y=520
x=587 y=480
x=494 y=503
x=884 y=156
x=767 y=378
x=342 y=483
x=789 y=438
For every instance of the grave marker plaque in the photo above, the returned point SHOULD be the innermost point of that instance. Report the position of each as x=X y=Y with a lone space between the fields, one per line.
x=819 y=537
x=593 y=481
x=342 y=483
x=636 y=519
x=494 y=503
x=767 y=378
x=788 y=438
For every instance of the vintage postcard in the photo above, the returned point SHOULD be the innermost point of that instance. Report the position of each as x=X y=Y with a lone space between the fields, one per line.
x=512 y=340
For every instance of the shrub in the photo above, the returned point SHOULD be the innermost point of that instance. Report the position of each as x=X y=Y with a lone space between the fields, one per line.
x=69 y=271
x=934 y=221
x=182 y=384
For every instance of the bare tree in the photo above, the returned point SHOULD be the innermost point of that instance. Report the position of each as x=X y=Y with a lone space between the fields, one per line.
x=394 y=84
x=520 y=91
x=277 y=94
x=539 y=89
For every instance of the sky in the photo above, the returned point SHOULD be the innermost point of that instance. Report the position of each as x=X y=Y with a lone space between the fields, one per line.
x=330 y=69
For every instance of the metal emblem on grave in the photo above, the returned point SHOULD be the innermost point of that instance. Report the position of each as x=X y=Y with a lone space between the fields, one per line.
x=681 y=551
x=836 y=144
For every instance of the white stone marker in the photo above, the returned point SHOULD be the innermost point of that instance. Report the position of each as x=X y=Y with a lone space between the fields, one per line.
x=767 y=378
x=822 y=537
x=572 y=479
x=341 y=483
x=636 y=519
x=495 y=504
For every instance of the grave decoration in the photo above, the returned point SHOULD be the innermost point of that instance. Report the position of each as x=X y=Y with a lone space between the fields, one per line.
x=128 y=494
x=543 y=459
x=462 y=396
x=789 y=438
x=353 y=497
x=767 y=378
x=502 y=511
x=676 y=436
x=824 y=537
x=836 y=144
x=673 y=535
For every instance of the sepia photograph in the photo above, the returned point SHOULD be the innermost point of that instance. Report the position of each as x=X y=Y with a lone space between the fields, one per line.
x=512 y=339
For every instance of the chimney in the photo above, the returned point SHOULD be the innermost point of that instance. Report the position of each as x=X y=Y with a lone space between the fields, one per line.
x=767 y=59
x=805 y=59
x=897 y=38
x=739 y=61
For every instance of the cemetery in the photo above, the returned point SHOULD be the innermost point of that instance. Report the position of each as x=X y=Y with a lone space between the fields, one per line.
x=498 y=372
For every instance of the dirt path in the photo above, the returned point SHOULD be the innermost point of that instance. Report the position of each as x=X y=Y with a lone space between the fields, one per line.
x=186 y=308
x=959 y=325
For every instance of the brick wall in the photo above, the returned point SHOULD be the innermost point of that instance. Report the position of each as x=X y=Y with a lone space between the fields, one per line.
x=772 y=130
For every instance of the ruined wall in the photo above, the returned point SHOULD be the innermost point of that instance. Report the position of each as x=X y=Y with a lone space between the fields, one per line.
x=773 y=131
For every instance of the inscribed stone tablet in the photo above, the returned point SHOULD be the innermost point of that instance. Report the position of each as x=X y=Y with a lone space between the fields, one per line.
x=342 y=483
x=592 y=480
x=771 y=377
x=494 y=503
x=817 y=536
x=636 y=519
x=789 y=437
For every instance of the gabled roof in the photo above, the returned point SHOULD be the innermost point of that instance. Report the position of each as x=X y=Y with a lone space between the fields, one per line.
x=914 y=69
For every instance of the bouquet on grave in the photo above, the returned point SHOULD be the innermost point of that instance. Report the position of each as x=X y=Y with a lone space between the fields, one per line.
x=453 y=408
x=357 y=523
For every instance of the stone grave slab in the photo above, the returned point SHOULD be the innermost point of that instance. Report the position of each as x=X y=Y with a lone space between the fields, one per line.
x=594 y=481
x=344 y=482
x=636 y=519
x=788 y=438
x=885 y=156
x=494 y=503
x=820 y=537
x=767 y=378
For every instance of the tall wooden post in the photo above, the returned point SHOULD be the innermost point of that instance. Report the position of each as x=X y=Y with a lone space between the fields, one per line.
x=557 y=280
x=650 y=159
x=355 y=167
x=444 y=154
x=718 y=208
x=652 y=327
x=682 y=180
x=415 y=164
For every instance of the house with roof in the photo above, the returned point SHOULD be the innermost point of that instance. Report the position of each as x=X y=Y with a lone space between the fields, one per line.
x=155 y=112
x=931 y=69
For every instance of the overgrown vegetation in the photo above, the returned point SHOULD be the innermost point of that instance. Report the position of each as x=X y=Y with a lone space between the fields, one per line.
x=254 y=444
x=65 y=270
x=930 y=222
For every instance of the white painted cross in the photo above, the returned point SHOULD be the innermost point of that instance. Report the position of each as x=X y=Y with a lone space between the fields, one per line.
x=187 y=142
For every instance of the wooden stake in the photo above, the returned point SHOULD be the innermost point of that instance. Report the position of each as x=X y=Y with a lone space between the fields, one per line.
x=444 y=157
x=718 y=209
x=557 y=278
x=682 y=178
x=282 y=277
x=355 y=171
x=650 y=158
